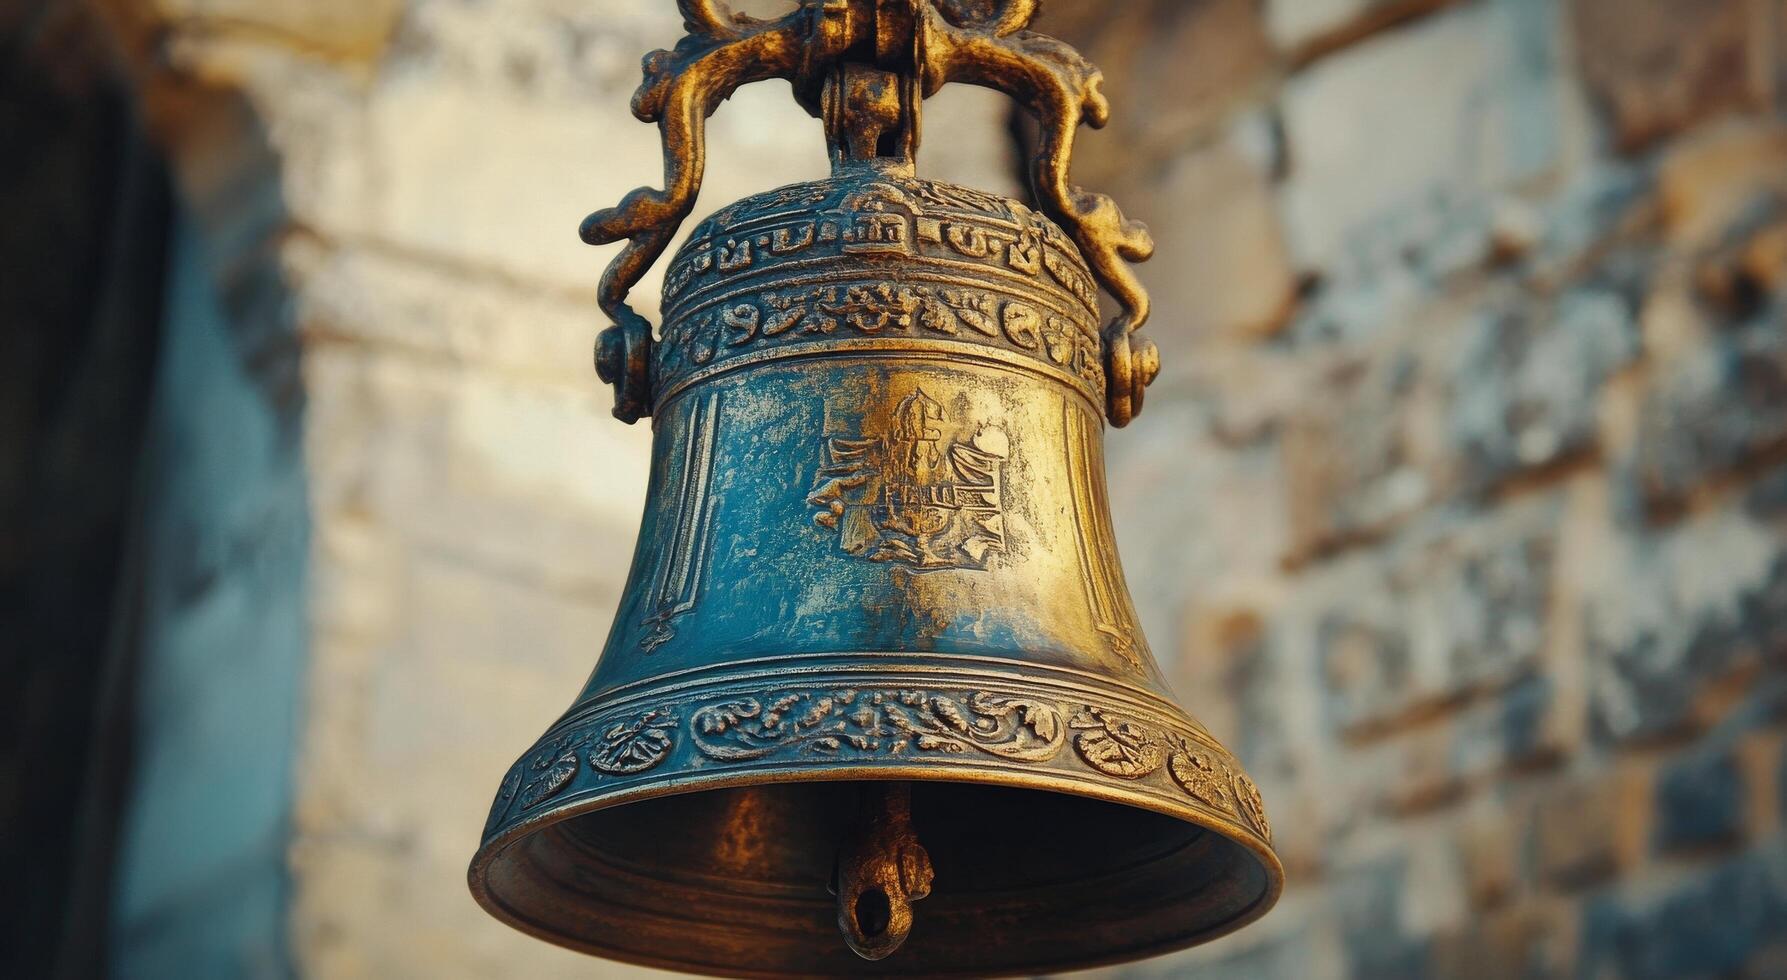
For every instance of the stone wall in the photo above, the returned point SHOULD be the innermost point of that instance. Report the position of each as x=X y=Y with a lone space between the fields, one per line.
x=1472 y=433
x=1457 y=512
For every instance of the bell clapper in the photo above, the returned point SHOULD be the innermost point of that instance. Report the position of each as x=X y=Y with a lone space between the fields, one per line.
x=881 y=870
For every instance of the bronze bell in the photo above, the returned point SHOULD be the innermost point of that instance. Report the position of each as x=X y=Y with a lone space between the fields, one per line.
x=876 y=668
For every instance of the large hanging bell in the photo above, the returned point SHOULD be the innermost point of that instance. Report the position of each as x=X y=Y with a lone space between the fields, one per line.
x=876 y=668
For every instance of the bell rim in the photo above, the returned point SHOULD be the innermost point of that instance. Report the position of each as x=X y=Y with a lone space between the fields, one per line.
x=1233 y=832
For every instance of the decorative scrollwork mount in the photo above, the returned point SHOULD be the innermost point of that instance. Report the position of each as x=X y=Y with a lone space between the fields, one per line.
x=865 y=66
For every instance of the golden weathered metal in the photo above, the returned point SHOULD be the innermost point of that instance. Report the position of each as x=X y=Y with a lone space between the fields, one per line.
x=876 y=646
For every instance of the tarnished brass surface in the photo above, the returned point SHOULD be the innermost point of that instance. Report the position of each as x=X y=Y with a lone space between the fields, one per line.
x=875 y=645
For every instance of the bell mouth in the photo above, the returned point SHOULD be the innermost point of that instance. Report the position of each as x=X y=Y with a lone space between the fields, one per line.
x=733 y=880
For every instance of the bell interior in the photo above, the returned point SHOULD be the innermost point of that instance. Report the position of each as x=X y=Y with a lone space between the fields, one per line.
x=735 y=881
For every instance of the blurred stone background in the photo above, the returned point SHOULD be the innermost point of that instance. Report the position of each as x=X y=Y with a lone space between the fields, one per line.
x=1458 y=511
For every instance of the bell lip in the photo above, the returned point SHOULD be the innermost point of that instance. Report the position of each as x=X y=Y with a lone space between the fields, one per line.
x=490 y=850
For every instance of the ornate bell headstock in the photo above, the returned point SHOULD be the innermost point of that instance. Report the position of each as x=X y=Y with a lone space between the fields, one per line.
x=865 y=66
x=876 y=669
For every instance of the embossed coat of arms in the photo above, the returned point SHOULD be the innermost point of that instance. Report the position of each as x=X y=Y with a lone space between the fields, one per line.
x=925 y=494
